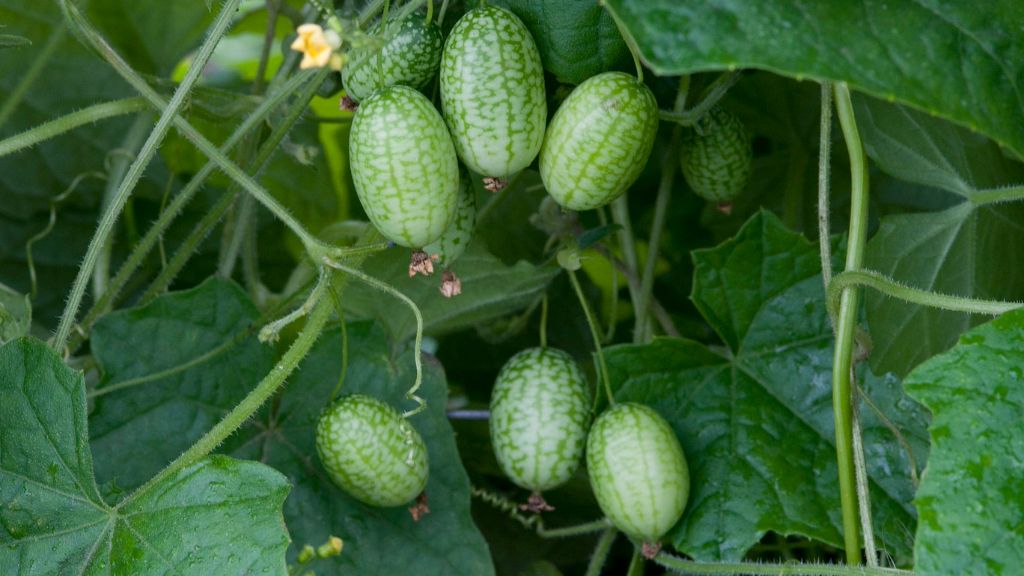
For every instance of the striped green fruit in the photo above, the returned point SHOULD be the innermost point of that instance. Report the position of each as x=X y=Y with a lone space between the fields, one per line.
x=599 y=141
x=638 y=471
x=371 y=452
x=404 y=166
x=453 y=242
x=410 y=56
x=716 y=161
x=540 y=411
x=492 y=92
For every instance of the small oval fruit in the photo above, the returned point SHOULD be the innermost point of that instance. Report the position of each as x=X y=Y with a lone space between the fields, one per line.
x=410 y=57
x=540 y=411
x=492 y=92
x=638 y=471
x=453 y=242
x=371 y=452
x=716 y=161
x=599 y=141
x=404 y=166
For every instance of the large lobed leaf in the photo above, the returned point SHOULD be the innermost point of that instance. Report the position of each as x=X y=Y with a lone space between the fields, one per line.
x=970 y=502
x=966 y=249
x=755 y=418
x=964 y=60
x=199 y=351
x=378 y=541
x=181 y=363
x=218 y=516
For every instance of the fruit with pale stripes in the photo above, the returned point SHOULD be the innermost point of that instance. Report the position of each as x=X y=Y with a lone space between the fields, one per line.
x=492 y=92
x=540 y=412
x=404 y=166
x=410 y=57
x=716 y=158
x=638 y=471
x=598 y=141
x=371 y=452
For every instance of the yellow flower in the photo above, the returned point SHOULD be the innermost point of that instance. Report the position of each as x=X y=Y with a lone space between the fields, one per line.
x=315 y=45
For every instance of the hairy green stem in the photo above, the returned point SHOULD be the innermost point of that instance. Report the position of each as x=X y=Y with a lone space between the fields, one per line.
x=824 y=167
x=410 y=394
x=601 y=550
x=155 y=233
x=860 y=468
x=846 y=323
x=895 y=289
x=32 y=74
x=69 y=122
x=577 y=530
x=170 y=113
x=997 y=195
x=252 y=402
x=133 y=141
x=96 y=41
x=714 y=93
x=681 y=566
x=669 y=167
x=595 y=334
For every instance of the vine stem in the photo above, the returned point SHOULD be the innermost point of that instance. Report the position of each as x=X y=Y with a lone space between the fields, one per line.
x=872 y=279
x=544 y=321
x=713 y=95
x=601 y=550
x=421 y=404
x=252 y=402
x=846 y=323
x=634 y=49
x=133 y=141
x=636 y=564
x=997 y=195
x=824 y=167
x=860 y=468
x=669 y=167
x=620 y=216
x=273 y=99
x=131 y=178
x=595 y=334
x=681 y=566
x=315 y=248
x=69 y=122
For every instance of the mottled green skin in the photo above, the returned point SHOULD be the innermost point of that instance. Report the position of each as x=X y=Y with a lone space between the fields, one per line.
x=716 y=161
x=638 y=471
x=410 y=57
x=371 y=452
x=599 y=141
x=453 y=242
x=540 y=410
x=404 y=166
x=492 y=92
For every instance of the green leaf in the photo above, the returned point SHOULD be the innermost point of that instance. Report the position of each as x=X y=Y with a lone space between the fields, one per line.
x=218 y=516
x=186 y=359
x=755 y=419
x=967 y=249
x=576 y=40
x=378 y=541
x=15 y=314
x=490 y=290
x=957 y=63
x=970 y=499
